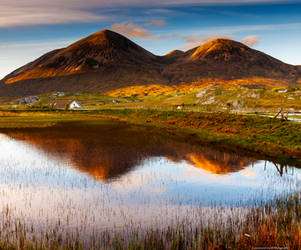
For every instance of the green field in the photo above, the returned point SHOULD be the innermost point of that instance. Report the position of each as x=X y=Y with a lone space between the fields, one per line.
x=233 y=98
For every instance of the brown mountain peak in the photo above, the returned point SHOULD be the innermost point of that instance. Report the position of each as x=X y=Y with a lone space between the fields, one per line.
x=218 y=49
x=174 y=55
x=175 y=52
x=103 y=38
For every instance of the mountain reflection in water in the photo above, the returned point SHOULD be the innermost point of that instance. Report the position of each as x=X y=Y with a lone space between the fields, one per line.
x=109 y=150
x=108 y=175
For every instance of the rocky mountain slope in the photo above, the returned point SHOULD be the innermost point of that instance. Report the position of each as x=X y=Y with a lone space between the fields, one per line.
x=107 y=61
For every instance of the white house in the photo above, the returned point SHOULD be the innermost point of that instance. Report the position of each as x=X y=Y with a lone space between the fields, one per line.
x=65 y=104
x=75 y=105
x=281 y=90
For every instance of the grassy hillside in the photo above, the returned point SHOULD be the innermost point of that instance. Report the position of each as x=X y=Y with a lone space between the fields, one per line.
x=237 y=96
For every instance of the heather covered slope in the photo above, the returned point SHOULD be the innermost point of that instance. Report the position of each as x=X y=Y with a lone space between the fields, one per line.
x=106 y=61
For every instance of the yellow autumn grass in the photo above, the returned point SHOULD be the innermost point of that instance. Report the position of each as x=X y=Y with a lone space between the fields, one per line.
x=24 y=114
x=155 y=89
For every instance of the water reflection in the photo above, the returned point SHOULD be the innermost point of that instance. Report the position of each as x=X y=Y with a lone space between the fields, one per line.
x=108 y=151
x=111 y=175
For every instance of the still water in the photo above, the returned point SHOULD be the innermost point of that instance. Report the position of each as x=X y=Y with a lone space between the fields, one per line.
x=107 y=175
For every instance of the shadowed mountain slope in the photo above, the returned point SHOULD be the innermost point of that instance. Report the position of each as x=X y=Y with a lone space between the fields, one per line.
x=107 y=61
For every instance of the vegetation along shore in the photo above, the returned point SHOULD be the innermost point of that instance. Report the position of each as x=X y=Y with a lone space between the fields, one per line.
x=263 y=136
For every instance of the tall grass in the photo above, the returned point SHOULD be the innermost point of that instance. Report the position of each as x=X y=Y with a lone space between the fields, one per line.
x=276 y=224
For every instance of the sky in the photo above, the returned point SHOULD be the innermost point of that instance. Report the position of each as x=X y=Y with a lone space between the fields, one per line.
x=30 y=28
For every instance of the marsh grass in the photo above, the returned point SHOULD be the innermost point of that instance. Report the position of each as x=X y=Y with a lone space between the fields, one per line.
x=275 y=224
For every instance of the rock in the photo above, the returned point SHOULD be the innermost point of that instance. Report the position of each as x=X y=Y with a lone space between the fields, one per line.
x=254 y=95
x=210 y=100
x=58 y=94
x=201 y=93
x=30 y=100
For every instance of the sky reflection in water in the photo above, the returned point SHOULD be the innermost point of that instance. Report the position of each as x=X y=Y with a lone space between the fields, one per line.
x=108 y=175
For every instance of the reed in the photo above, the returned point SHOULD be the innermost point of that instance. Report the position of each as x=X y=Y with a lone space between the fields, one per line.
x=275 y=224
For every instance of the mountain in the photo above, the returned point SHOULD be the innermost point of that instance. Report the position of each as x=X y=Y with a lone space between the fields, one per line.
x=174 y=55
x=227 y=59
x=107 y=61
x=103 y=61
x=103 y=49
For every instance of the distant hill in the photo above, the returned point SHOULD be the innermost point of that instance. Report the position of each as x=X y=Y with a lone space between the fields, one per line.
x=106 y=61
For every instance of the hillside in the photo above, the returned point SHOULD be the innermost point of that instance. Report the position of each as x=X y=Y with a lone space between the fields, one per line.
x=106 y=61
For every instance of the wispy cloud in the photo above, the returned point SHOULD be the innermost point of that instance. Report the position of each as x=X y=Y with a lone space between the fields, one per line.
x=195 y=41
x=35 y=12
x=137 y=31
x=250 y=40
x=159 y=23
x=264 y=27
x=36 y=44
x=14 y=16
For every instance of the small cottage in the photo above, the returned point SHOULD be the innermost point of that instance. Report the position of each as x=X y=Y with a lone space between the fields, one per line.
x=75 y=105
x=65 y=104
x=281 y=90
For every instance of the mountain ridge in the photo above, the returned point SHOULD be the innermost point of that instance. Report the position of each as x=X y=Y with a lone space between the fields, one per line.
x=107 y=60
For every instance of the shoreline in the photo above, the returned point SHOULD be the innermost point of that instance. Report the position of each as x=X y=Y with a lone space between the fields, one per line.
x=255 y=135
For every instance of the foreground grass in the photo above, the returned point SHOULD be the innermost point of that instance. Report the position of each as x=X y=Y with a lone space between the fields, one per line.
x=269 y=138
x=276 y=224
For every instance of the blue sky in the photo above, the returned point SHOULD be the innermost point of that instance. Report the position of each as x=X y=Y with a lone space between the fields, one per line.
x=30 y=28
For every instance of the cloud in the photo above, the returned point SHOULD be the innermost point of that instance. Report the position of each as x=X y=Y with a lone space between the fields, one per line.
x=133 y=30
x=250 y=40
x=264 y=27
x=159 y=23
x=36 y=45
x=195 y=41
x=14 y=13
x=17 y=16
x=161 y=11
x=3 y=46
